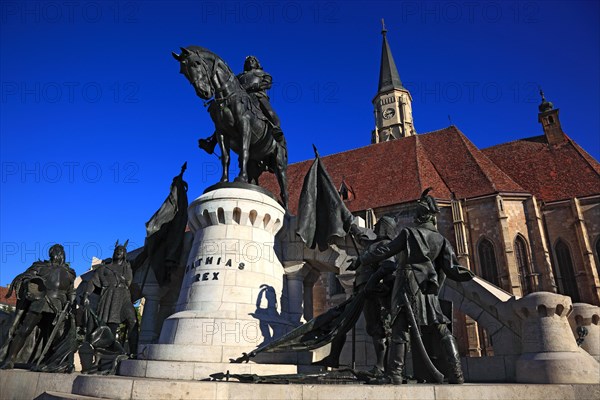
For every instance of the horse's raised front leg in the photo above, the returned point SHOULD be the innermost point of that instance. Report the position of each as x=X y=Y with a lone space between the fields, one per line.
x=225 y=158
x=245 y=151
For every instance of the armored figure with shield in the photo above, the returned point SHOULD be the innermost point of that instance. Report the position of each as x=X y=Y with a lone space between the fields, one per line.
x=42 y=335
x=112 y=280
x=424 y=259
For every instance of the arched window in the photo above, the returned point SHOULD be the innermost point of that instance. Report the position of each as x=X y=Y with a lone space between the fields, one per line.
x=565 y=274
x=487 y=261
x=522 y=258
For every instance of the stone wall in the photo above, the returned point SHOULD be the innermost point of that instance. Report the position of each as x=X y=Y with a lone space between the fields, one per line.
x=576 y=223
x=482 y=222
x=540 y=247
x=590 y=211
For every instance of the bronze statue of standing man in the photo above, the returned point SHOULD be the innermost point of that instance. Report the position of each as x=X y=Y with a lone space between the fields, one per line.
x=376 y=309
x=115 y=306
x=45 y=297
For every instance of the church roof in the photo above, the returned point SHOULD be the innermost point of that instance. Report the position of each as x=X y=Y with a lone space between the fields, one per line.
x=398 y=171
x=551 y=173
x=11 y=300
x=388 y=73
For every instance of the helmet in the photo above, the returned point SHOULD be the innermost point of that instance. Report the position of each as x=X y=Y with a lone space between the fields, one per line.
x=426 y=208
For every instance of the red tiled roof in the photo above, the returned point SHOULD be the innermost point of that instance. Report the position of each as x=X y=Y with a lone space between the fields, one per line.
x=11 y=301
x=551 y=173
x=398 y=171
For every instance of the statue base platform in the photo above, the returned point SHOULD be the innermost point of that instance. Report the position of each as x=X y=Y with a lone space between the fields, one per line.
x=21 y=384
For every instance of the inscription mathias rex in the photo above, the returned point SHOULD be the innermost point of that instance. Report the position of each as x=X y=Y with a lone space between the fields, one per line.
x=211 y=275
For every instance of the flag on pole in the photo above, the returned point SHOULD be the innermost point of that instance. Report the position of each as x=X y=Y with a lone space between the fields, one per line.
x=165 y=230
x=322 y=215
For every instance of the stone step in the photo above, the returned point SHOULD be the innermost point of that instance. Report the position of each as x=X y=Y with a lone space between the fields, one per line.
x=19 y=384
x=49 y=395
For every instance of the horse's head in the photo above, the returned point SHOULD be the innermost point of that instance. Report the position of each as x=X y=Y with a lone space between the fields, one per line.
x=195 y=69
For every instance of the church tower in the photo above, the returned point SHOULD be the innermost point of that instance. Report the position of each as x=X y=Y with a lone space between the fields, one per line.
x=393 y=103
x=548 y=117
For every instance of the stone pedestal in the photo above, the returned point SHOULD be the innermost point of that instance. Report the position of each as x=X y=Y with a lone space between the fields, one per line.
x=549 y=351
x=301 y=278
x=587 y=316
x=229 y=298
x=150 y=311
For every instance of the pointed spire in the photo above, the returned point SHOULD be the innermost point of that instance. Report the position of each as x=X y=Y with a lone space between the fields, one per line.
x=545 y=105
x=388 y=73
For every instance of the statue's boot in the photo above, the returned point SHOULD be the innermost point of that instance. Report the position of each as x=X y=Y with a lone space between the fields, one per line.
x=208 y=144
x=133 y=339
x=395 y=368
x=378 y=371
x=380 y=352
x=450 y=348
x=15 y=346
x=333 y=359
x=86 y=357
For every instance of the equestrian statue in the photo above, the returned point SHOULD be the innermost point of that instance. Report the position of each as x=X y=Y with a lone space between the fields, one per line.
x=241 y=124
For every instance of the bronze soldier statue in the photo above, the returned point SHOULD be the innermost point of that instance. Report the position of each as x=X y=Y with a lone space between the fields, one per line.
x=256 y=82
x=115 y=306
x=424 y=259
x=376 y=309
x=45 y=297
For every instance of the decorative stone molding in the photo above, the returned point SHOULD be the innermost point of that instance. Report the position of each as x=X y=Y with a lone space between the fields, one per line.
x=222 y=207
x=550 y=353
x=587 y=316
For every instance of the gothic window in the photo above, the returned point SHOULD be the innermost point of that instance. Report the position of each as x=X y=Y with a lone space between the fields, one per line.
x=525 y=275
x=565 y=274
x=487 y=261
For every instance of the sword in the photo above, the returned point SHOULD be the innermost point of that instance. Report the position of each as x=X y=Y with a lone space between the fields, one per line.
x=418 y=341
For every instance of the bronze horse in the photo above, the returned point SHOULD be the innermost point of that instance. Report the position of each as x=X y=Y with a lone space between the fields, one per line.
x=240 y=125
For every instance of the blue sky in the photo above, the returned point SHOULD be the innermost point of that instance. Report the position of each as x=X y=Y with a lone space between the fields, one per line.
x=95 y=119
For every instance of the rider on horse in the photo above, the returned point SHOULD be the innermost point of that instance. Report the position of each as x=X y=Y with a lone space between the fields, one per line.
x=256 y=82
x=240 y=124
